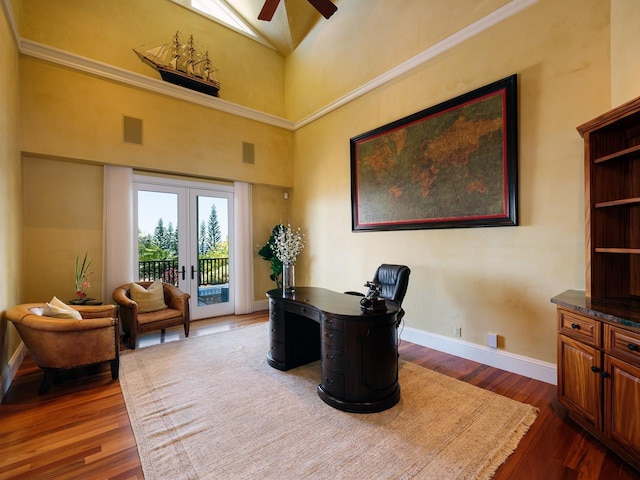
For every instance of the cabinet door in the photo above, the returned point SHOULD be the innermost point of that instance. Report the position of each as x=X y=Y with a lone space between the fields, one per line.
x=622 y=424
x=579 y=380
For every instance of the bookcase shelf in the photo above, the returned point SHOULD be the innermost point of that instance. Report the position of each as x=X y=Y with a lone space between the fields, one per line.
x=612 y=202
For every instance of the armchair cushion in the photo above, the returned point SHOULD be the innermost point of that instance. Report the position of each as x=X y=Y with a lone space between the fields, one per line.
x=149 y=299
x=58 y=309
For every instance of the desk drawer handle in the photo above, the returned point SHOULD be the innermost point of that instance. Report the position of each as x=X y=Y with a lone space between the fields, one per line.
x=329 y=380
x=633 y=347
x=575 y=326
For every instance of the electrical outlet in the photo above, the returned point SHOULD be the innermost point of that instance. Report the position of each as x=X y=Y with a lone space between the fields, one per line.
x=457 y=331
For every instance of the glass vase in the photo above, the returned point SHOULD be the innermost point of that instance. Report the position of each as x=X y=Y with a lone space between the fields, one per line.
x=288 y=278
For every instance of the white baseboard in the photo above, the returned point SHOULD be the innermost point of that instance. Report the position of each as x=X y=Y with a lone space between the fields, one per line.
x=11 y=370
x=260 y=305
x=528 y=367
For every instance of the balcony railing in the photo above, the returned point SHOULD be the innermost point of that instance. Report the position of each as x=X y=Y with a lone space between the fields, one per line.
x=211 y=271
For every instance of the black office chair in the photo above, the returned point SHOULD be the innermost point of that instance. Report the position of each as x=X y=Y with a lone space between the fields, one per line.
x=394 y=280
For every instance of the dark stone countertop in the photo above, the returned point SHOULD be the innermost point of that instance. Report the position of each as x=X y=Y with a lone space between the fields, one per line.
x=623 y=311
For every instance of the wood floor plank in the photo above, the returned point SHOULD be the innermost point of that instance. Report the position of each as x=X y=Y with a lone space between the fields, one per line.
x=80 y=428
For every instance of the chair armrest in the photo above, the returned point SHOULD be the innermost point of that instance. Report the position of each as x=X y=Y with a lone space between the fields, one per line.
x=121 y=298
x=175 y=298
x=96 y=311
x=37 y=322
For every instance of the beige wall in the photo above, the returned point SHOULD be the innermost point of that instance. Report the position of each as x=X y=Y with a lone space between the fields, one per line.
x=625 y=44
x=496 y=279
x=251 y=74
x=62 y=219
x=10 y=199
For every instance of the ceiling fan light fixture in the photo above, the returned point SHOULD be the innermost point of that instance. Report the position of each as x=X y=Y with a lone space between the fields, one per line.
x=325 y=7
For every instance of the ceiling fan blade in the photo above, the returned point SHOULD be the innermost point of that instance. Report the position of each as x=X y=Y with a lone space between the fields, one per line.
x=325 y=7
x=268 y=9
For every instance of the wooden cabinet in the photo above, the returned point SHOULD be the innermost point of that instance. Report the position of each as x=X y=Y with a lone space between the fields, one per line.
x=599 y=379
x=599 y=329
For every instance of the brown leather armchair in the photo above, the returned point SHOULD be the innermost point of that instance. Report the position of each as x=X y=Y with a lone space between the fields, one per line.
x=58 y=343
x=134 y=323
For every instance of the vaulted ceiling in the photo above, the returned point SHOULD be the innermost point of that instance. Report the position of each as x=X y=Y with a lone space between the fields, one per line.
x=291 y=22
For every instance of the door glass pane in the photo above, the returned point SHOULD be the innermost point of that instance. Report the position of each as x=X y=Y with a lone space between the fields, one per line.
x=213 y=250
x=158 y=237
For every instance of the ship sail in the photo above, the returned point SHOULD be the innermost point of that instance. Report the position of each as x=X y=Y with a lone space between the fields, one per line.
x=181 y=64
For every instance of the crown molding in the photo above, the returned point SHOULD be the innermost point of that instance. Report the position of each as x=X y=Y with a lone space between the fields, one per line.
x=100 y=69
x=104 y=70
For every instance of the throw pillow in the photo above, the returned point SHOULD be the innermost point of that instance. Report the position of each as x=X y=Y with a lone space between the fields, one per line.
x=58 y=309
x=148 y=299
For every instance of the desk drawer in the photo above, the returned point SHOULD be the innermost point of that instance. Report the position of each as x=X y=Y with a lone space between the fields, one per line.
x=622 y=343
x=584 y=329
x=303 y=310
x=333 y=339
x=332 y=359
x=276 y=330
x=333 y=323
x=277 y=351
x=333 y=382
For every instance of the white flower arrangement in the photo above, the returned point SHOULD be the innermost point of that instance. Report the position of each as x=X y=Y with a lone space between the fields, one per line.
x=288 y=243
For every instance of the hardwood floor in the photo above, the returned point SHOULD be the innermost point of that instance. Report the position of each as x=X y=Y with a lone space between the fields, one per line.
x=80 y=428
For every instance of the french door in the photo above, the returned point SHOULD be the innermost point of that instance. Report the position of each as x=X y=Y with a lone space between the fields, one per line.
x=185 y=237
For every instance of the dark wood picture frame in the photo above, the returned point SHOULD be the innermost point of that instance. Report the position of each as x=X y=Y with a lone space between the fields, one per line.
x=448 y=166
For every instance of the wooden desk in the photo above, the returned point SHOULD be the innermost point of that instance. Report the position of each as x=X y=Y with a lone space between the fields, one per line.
x=358 y=350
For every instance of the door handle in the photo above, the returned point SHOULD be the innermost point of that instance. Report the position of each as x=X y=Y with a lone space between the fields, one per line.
x=193 y=272
x=184 y=273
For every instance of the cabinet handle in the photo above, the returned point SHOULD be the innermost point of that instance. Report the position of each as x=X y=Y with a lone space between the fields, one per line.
x=595 y=369
x=329 y=356
x=604 y=375
x=633 y=347
x=303 y=309
x=575 y=326
x=328 y=335
x=329 y=380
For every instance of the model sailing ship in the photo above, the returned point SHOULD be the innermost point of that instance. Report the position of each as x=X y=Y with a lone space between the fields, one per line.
x=180 y=64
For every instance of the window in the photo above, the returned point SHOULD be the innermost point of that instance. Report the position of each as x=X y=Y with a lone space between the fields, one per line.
x=219 y=11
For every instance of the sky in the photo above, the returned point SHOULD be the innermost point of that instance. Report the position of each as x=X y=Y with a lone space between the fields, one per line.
x=155 y=205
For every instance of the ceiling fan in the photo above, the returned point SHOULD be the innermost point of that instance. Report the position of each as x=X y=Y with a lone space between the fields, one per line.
x=325 y=7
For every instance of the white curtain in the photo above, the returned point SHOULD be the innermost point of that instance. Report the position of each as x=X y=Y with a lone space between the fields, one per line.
x=117 y=256
x=243 y=234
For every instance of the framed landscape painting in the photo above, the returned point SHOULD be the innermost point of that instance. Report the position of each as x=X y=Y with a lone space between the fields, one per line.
x=451 y=165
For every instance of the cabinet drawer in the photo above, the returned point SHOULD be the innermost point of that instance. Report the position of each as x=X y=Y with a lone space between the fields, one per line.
x=332 y=359
x=582 y=328
x=333 y=339
x=622 y=343
x=303 y=310
x=333 y=382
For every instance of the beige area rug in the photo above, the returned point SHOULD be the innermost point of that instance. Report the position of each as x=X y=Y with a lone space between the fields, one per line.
x=212 y=408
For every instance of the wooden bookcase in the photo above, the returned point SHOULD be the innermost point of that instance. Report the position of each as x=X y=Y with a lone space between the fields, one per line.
x=612 y=202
